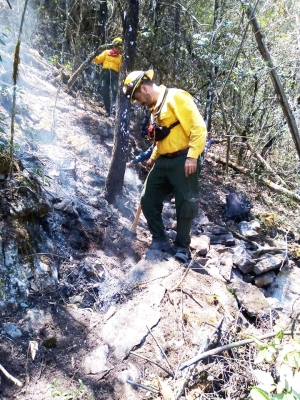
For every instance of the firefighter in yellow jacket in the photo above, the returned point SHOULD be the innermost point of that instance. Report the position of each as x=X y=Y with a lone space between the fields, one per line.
x=111 y=64
x=179 y=133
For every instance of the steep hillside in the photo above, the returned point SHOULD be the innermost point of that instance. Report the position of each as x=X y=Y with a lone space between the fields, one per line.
x=88 y=311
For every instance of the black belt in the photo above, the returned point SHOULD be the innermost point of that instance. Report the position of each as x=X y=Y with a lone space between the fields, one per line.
x=175 y=154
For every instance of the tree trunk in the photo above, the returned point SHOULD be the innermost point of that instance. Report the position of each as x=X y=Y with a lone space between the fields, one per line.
x=212 y=75
x=115 y=177
x=275 y=78
x=102 y=21
x=176 y=41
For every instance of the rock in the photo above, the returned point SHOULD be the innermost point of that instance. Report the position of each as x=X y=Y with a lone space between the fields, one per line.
x=225 y=239
x=95 y=362
x=201 y=244
x=268 y=263
x=285 y=288
x=265 y=279
x=249 y=297
x=226 y=264
x=128 y=327
x=249 y=229
x=12 y=331
x=216 y=230
x=242 y=260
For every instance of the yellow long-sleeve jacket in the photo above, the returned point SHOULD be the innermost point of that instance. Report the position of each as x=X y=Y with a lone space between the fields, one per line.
x=109 y=62
x=190 y=133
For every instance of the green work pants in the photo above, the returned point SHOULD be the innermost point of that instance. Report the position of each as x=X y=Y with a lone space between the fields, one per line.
x=109 y=88
x=167 y=176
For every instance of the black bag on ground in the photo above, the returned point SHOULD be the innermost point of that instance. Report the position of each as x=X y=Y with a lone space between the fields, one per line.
x=237 y=207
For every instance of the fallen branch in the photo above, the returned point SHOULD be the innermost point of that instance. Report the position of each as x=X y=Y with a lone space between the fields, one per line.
x=259 y=250
x=190 y=371
x=148 y=388
x=184 y=275
x=228 y=347
x=9 y=376
x=264 y=250
x=153 y=362
x=85 y=64
x=161 y=349
x=266 y=165
x=244 y=238
x=273 y=186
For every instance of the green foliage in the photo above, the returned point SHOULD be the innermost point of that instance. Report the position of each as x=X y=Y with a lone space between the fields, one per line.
x=68 y=65
x=2 y=289
x=267 y=351
x=40 y=172
x=231 y=290
x=63 y=394
x=54 y=59
x=287 y=387
x=1 y=123
x=284 y=200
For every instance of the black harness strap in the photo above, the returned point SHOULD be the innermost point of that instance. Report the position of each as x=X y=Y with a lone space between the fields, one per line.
x=159 y=110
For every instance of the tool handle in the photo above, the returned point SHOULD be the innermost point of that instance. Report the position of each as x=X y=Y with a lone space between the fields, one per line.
x=136 y=218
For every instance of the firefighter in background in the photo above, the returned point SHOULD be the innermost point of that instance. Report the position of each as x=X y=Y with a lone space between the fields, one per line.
x=111 y=64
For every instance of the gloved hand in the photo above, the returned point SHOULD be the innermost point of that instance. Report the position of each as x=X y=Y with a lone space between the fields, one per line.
x=149 y=164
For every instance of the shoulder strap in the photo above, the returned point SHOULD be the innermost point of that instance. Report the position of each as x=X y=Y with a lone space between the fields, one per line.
x=173 y=125
x=161 y=105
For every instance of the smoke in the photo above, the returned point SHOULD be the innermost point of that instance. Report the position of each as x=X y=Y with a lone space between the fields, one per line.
x=131 y=177
x=10 y=24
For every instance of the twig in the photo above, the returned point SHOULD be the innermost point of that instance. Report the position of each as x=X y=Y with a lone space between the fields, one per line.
x=9 y=4
x=182 y=319
x=264 y=250
x=15 y=380
x=259 y=250
x=191 y=296
x=191 y=370
x=153 y=362
x=85 y=64
x=160 y=348
x=148 y=388
x=185 y=274
x=240 y=236
x=228 y=347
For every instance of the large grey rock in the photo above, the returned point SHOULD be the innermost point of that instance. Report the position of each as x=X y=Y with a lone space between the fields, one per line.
x=285 y=288
x=95 y=362
x=269 y=263
x=128 y=327
x=249 y=297
x=242 y=260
